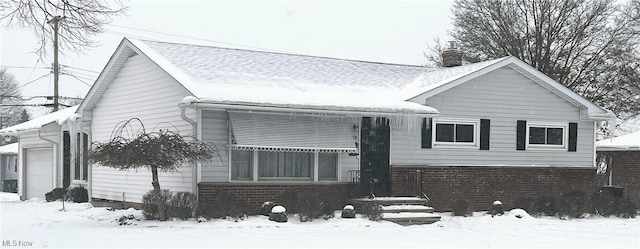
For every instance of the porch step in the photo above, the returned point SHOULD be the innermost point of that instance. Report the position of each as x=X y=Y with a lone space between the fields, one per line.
x=407 y=209
x=388 y=201
x=401 y=210
x=410 y=218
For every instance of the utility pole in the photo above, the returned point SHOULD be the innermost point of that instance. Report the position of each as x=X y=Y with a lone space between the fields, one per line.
x=55 y=23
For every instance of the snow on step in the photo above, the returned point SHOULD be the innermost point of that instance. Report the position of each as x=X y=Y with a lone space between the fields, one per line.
x=409 y=215
x=406 y=208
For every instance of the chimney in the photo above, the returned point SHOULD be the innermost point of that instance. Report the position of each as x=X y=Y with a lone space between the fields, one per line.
x=452 y=56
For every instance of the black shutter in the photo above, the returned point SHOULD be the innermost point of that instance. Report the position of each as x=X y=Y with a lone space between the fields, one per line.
x=521 y=135
x=485 y=128
x=573 y=136
x=427 y=124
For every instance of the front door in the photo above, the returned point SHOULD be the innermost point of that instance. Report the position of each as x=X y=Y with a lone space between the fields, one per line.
x=374 y=157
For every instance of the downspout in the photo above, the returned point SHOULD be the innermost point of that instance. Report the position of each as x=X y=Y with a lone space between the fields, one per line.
x=186 y=102
x=56 y=147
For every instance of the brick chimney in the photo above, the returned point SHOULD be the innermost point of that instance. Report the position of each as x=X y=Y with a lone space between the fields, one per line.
x=452 y=56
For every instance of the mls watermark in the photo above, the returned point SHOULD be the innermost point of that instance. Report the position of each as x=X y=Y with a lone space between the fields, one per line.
x=16 y=243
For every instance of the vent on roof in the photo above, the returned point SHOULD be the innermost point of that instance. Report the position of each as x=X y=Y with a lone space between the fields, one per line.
x=452 y=57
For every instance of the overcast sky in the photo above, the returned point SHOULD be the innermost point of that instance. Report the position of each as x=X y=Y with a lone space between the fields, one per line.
x=381 y=31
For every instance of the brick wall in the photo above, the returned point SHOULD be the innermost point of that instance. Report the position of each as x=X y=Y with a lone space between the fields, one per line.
x=482 y=185
x=625 y=167
x=254 y=194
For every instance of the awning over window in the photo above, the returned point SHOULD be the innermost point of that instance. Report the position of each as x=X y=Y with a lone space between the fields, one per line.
x=294 y=133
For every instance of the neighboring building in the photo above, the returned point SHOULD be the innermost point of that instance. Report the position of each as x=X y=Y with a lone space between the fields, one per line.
x=492 y=130
x=622 y=156
x=46 y=153
x=9 y=167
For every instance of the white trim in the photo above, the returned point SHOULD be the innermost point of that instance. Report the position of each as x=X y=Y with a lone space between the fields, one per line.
x=315 y=167
x=537 y=124
x=476 y=134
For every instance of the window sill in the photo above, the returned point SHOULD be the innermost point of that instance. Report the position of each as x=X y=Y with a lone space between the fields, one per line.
x=542 y=147
x=456 y=146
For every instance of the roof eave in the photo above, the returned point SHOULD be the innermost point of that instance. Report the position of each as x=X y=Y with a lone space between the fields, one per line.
x=314 y=109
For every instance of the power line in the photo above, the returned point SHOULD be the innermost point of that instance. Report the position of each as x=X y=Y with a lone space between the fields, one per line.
x=196 y=38
x=23 y=85
x=25 y=67
x=82 y=69
x=77 y=78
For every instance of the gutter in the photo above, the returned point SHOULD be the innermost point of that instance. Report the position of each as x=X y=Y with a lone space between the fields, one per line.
x=225 y=106
x=186 y=102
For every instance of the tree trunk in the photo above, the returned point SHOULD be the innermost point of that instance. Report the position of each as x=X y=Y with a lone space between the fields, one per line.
x=156 y=189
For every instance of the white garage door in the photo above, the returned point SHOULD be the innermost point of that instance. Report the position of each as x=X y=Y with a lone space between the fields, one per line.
x=39 y=172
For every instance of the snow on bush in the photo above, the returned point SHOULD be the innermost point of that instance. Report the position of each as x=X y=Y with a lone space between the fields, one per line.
x=278 y=209
x=519 y=213
x=348 y=212
x=278 y=214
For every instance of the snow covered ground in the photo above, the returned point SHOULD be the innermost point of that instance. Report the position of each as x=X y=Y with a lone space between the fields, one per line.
x=35 y=223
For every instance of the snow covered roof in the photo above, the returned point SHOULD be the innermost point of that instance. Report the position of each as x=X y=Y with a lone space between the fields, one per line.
x=60 y=117
x=233 y=76
x=9 y=149
x=621 y=143
x=236 y=77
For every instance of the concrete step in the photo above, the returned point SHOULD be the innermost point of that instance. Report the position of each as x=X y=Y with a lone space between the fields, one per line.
x=407 y=208
x=411 y=218
x=388 y=201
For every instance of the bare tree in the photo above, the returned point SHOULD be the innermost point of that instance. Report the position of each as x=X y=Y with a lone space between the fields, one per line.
x=590 y=46
x=80 y=21
x=11 y=103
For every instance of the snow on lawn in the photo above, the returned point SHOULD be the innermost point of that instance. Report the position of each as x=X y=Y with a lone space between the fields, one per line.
x=40 y=224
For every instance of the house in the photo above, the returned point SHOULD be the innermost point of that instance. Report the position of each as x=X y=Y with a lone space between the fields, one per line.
x=46 y=153
x=9 y=167
x=622 y=156
x=283 y=122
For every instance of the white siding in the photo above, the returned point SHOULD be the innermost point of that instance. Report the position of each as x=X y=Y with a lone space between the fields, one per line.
x=503 y=96
x=215 y=130
x=140 y=90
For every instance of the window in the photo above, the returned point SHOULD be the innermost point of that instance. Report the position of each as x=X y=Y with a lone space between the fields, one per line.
x=81 y=162
x=242 y=165
x=327 y=167
x=275 y=165
x=249 y=165
x=448 y=132
x=546 y=135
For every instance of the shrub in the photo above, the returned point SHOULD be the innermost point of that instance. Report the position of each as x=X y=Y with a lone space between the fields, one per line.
x=573 y=204
x=311 y=207
x=626 y=208
x=348 y=212
x=461 y=207
x=149 y=207
x=181 y=205
x=266 y=208
x=278 y=214
x=224 y=206
x=56 y=194
x=78 y=195
x=373 y=211
x=496 y=208
x=546 y=205
x=526 y=204
x=606 y=204
x=603 y=203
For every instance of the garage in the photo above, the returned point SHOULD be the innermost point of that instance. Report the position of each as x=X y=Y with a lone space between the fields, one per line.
x=39 y=172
